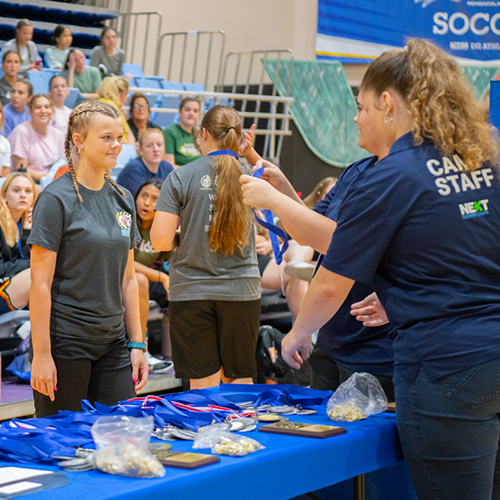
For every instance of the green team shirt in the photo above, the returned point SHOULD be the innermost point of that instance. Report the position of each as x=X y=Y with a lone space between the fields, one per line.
x=88 y=81
x=180 y=143
x=144 y=253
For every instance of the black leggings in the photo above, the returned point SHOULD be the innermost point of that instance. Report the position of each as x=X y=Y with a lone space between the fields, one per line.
x=97 y=372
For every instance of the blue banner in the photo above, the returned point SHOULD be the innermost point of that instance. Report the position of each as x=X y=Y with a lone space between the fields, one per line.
x=359 y=31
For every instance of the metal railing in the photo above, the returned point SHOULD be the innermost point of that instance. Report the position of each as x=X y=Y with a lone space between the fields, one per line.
x=250 y=59
x=273 y=133
x=135 y=33
x=259 y=56
x=190 y=55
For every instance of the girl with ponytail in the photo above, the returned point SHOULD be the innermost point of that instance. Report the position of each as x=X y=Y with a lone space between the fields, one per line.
x=85 y=327
x=214 y=295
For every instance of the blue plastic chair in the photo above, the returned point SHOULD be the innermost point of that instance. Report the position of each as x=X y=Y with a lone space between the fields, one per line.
x=147 y=83
x=40 y=81
x=166 y=119
x=134 y=69
x=194 y=87
x=128 y=152
x=172 y=85
x=72 y=97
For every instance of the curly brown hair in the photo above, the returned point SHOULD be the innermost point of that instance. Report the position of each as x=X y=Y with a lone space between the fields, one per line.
x=440 y=101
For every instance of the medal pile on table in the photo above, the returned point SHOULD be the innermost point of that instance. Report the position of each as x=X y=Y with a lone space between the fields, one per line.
x=208 y=418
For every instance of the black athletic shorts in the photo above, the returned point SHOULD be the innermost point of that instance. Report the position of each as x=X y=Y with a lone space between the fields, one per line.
x=209 y=334
x=97 y=372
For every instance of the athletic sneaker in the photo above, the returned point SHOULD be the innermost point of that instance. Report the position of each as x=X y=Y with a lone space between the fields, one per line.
x=300 y=269
x=157 y=365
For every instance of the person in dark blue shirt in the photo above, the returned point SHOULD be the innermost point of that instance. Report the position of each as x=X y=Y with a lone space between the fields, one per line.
x=352 y=346
x=422 y=225
x=150 y=163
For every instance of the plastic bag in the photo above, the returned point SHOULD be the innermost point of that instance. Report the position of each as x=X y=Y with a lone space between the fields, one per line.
x=360 y=396
x=122 y=447
x=223 y=442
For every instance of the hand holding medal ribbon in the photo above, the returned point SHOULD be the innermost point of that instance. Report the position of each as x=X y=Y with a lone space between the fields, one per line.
x=274 y=231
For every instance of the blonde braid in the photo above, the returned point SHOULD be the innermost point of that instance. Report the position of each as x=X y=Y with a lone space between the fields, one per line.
x=114 y=184
x=79 y=122
x=69 y=157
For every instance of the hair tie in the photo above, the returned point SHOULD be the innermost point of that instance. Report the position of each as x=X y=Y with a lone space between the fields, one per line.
x=227 y=131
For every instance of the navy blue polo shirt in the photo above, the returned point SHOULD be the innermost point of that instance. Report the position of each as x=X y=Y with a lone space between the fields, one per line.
x=136 y=173
x=343 y=338
x=425 y=233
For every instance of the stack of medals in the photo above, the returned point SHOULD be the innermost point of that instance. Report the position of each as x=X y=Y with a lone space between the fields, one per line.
x=270 y=413
x=81 y=462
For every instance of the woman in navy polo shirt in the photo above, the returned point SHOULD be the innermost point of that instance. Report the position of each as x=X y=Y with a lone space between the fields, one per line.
x=422 y=225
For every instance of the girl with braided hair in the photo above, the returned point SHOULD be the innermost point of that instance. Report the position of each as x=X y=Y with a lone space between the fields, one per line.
x=214 y=294
x=86 y=333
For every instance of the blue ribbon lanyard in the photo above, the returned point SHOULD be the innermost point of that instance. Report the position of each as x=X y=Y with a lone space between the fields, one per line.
x=224 y=152
x=274 y=231
x=19 y=241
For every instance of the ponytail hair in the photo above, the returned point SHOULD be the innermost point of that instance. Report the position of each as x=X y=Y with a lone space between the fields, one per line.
x=231 y=220
x=440 y=100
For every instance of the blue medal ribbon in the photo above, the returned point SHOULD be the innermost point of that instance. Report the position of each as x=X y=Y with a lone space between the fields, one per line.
x=274 y=231
x=224 y=152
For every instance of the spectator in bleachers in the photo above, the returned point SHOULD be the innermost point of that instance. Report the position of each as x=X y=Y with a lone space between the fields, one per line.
x=86 y=79
x=24 y=47
x=107 y=54
x=139 y=115
x=56 y=56
x=58 y=91
x=17 y=112
x=149 y=165
x=214 y=293
x=36 y=145
x=17 y=197
x=151 y=276
x=5 y=150
x=11 y=65
x=113 y=91
x=179 y=138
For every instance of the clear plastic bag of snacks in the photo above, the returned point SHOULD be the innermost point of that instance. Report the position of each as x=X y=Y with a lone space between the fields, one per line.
x=360 y=396
x=122 y=447
x=223 y=442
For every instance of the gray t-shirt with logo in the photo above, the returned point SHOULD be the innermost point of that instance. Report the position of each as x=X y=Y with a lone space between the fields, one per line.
x=197 y=273
x=92 y=240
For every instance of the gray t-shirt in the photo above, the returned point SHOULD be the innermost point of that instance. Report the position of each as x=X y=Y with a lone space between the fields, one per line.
x=5 y=88
x=92 y=240
x=197 y=273
x=113 y=63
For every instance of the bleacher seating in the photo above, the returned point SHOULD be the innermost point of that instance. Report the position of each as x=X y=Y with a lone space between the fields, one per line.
x=57 y=12
x=42 y=32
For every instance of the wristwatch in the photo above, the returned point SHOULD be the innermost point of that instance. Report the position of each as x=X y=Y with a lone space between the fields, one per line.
x=137 y=345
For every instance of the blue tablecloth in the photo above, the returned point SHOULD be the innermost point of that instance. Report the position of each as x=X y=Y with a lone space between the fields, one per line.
x=287 y=467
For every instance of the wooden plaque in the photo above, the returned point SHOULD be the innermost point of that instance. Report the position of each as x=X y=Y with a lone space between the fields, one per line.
x=391 y=408
x=188 y=460
x=304 y=430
